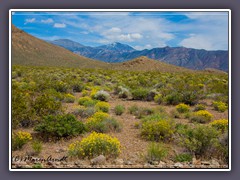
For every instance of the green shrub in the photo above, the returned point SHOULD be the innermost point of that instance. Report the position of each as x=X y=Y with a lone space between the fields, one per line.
x=94 y=145
x=69 y=98
x=199 y=139
x=182 y=108
x=139 y=94
x=184 y=157
x=37 y=147
x=220 y=106
x=61 y=86
x=122 y=92
x=86 y=101
x=102 y=95
x=157 y=128
x=133 y=109
x=102 y=106
x=84 y=112
x=119 y=110
x=19 y=139
x=221 y=124
x=104 y=126
x=173 y=99
x=201 y=116
x=140 y=112
x=199 y=107
x=156 y=152
x=60 y=126
x=77 y=87
x=158 y=98
x=37 y=166
x=44 y=105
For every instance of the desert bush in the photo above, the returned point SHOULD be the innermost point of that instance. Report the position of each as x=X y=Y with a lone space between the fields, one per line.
x=102 y=95
x=221 y=125
x=156 y=152
x=119 y=110
x=37 y=147
x=102 y=122
x=19 y=139
x=199 y=107
x=69 y=98
x=201 y=116
x=184 y=157
x=157 y=128
x=60 y=126
x=140 y=112
x=104 y=126
x=44 y=105
x=61 y=86
x=199 y=139
x=139 y=94
x=102 y=106
x=84 y=112
x=158 y=98
x=220 y=106
x=173 y=99
x=151 y=94
x=22 y=114
x=77 y=87
x=86 y=101
x=133 y=109
x=175 y=114
x=182 y=108
x=122 y=92
x=94 y=145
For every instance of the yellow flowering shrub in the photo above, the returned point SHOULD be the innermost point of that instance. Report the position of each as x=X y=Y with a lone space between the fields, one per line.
x=182 y=108
x=19 y=139
x=220 y=106
x=157 y=127
x=202 y=116
x=102 y=106
x=94 y=145
x=221 y=124
x=96 y=119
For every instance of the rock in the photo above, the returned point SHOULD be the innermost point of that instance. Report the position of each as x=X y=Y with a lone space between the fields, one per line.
x=128 y=163
x=147 y=165
x=195 y=161
x=98 y=160
x=20 y=164
x=215 y=163
x=60 y=150
x=178 y=165
x=205 y=163
x=119 y=161
x=155 y=163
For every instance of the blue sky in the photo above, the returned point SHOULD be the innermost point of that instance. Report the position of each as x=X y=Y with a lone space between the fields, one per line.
x=141 y=30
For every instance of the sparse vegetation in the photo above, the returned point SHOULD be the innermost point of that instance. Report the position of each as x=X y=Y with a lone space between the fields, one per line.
x=119 y=110
x=19 y=139
x=156 y=152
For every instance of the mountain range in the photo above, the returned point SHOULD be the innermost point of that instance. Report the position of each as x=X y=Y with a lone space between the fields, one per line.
x=30 y=51
x=196 y=59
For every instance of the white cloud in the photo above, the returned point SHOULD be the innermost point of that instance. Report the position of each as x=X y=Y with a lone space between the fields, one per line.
x=115 y=30
x=32 y=20
x=47 y=21
x=59 y=25
x=148 y=46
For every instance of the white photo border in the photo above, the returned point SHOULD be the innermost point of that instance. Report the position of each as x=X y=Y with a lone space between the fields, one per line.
x=118 y=10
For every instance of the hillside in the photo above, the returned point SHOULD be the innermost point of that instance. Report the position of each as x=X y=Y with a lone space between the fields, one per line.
x=144 y=63
x=29 y=50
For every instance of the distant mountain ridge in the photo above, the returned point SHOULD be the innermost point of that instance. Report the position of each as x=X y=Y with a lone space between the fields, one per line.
x=197 y=59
